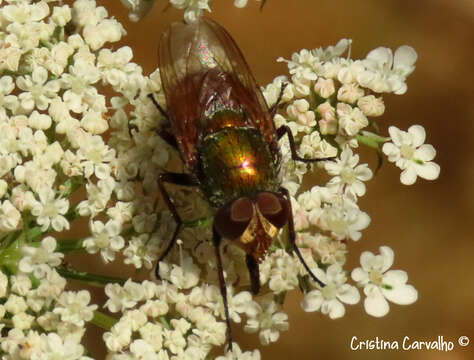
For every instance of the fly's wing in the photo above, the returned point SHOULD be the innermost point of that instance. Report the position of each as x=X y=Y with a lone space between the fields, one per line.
x=203 y=70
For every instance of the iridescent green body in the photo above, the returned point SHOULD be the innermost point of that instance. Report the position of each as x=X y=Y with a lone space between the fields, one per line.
x=236 y=162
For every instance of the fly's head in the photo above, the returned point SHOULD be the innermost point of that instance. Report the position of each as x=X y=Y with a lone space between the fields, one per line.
x=253 y=222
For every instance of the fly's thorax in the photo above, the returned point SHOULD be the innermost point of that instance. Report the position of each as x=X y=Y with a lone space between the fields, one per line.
x=235 y=162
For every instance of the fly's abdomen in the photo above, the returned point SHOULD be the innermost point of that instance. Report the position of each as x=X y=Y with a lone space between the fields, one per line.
x=235 y=162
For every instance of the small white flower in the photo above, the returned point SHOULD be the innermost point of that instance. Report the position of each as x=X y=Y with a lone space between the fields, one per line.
x=21 y=284
x=324 y=87
x=9 y=216
x=61 y=15
x=344 y=220
x=351 y=120
x=193 y=8
x=105 y=238
x=328 y=122
x=381 y=284
x=108 y=30
x=15 y=304
x=269 y=320
x=272 y=91
x=123 y=297
x=38 y=260
x=332 y=52
x=119 y=336
x=142 y=251
x=283 y=275
x=73 y=307
x=300 y=111
x=142 y=350
x=56 y=347
x=349 y=70
x=386 y=72
x=7 y=101
x=350 y=93
x=241 y=303
x=95 y=157
x=24 y=13
x=409 y=153
x=52 y=285
x=153 y=334
x=97 y=198
x=371 y=105
x=185 y=276
x=331 y=297
x=37 y=90
x=94 y=122
x=174 y=341
x=50 y=211
x=347 y=174
x=22 y=321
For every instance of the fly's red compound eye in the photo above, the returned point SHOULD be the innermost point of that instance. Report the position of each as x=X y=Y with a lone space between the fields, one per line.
x=274 y=207
x=233 y=218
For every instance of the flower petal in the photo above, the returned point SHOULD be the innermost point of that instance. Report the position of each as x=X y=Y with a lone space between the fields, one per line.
x=375 y=303
x=388 y=256
x=408 y=176
x=348 y=294
x=382 y=56
x=336 y=309
x=429 y=170
x=404 y=60
x=401 y=295
x=366 y=260
x=312 y=301
x=360 y=276
x=425 y=152
x=418 y=134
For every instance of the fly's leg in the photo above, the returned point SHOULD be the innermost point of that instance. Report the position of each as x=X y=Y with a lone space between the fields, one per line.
x=158 y=106
x=254 y=272
x=169 y=138
x=164 y=134
x=282 y=130
x=216 y=240
x=177 y=179
x=291 y=228
x=274 y=107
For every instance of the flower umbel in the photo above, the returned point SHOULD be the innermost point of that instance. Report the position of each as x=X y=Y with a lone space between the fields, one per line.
x=80 y=151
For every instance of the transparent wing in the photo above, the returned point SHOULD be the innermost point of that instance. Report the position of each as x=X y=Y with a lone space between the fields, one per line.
x=202 y=71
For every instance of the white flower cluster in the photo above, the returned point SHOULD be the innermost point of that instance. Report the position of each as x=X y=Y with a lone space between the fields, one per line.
x=61 y=133
x=45 y=321
x=330 y=101
x=163 y=322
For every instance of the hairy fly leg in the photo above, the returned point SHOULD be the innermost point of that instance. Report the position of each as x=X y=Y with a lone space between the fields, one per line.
x=216 y=240
x=177 y=179
x=292 y=235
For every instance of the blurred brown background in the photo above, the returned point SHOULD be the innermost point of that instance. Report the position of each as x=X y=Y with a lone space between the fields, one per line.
x=429 y=225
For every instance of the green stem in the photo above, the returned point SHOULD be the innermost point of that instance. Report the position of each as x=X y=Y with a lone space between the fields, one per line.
x=373 y=141
x=103 y=321
x=165 y=322
x=34 y=233
x=368 y=141
x=88 y=278
x=70 y=245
